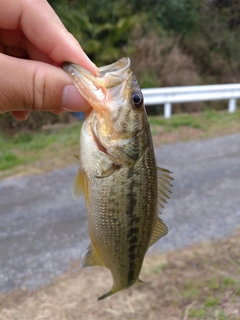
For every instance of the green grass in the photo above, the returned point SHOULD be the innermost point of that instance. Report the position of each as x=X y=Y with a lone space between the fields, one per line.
x=190 y=290
x=27 y=147
x=228 y=282
x=220 y=315
x=213 y=284
x=207 y=297
x=177 y=121
x=8 y=160
x=210 y=295
x=197 y=313
x=211 y=302
x=21 y=149
x=206 y=121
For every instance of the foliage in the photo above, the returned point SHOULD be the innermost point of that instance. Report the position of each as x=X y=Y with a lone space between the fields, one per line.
x=215 y=45
x=102 y=27
x=170 y=43
x=198 y=41
x=176 y=17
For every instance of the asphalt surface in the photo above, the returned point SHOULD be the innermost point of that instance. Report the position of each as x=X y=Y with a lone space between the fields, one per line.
x=43 y=229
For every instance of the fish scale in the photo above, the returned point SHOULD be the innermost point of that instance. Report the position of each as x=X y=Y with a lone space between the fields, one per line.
x=122 y=185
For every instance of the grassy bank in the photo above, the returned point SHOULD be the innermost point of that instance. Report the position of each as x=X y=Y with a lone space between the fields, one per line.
x=185 y=127
x=35 y=152
x=27 y=152
x=198 y=282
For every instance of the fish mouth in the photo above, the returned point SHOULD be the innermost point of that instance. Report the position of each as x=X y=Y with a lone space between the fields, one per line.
x=108 y=85
x=115 y=73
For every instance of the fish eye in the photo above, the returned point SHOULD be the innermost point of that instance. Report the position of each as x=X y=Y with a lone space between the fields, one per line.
x=137 y=99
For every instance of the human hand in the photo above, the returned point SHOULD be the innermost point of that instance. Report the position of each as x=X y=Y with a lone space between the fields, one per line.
x=33 y=45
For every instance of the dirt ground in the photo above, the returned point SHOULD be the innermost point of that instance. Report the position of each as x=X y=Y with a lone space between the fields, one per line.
x=198 y=282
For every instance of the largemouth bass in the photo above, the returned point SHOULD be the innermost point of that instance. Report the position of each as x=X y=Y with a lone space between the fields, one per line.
x=122 y=185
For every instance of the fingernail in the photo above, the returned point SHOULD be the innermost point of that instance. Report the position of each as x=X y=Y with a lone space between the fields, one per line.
x=21 y=114
x=72 y=100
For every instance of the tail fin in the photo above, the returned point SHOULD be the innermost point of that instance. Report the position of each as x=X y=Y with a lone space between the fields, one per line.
x=111 y=292
x=106 y=295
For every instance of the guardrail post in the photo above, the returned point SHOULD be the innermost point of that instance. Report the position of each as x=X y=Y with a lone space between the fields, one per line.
x=167 y=110
x=232 y=105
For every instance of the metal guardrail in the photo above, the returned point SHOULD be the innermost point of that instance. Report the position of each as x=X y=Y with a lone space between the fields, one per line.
x=170 y=95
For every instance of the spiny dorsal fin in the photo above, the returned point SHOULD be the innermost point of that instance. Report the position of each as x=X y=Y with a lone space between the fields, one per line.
x=164 y=183
x=78 y=185
x=91 y=258
x=159 y=231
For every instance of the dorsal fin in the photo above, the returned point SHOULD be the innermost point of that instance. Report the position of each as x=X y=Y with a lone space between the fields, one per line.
x=164 y=184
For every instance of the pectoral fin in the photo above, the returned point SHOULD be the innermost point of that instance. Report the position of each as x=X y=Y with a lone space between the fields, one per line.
x=78 y=185
x=108 y=172
x=159 y=231
x=91 y=258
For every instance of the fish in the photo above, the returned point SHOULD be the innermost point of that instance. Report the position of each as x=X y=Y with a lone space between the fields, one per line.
x=123 y=187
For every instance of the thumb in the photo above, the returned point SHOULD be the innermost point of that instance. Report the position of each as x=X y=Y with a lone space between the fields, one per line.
x=31 y=85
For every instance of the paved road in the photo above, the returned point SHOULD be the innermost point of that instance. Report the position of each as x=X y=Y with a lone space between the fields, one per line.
x=43 y=229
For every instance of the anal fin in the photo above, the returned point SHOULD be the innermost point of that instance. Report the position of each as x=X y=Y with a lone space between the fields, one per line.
x=91 y=258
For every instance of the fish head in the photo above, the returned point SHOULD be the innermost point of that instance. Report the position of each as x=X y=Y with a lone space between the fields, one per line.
x=118 y=113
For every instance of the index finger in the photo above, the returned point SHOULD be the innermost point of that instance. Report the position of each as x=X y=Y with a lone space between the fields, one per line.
x=42 y=27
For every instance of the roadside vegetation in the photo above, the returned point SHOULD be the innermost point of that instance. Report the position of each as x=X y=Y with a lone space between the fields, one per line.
x=27 y=152
x=54 y=146
x=174 y=42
